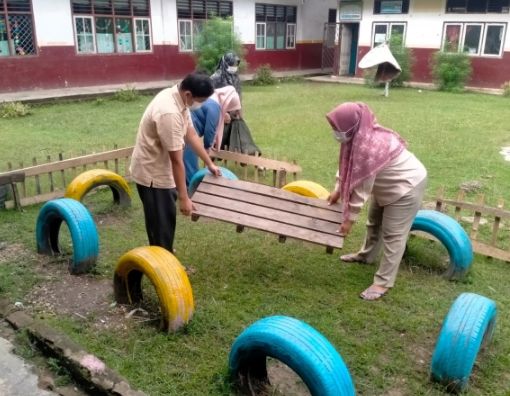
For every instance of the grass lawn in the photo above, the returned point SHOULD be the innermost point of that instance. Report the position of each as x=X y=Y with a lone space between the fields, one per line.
x=240 y=278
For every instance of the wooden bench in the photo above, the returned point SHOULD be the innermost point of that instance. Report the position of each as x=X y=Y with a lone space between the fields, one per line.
x=269 y=209
x=11 y=179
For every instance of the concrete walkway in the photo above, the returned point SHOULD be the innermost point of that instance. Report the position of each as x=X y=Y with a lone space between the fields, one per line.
x=42 y=95
x=16 y=376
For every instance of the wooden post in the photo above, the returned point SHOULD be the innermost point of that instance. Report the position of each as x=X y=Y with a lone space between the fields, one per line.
x=84 y=167
x=477 y=217
x=294 y=174
x=116 y=161
x=497 y=221
x=282 y=178
x=439 y=199
x=50 y=175
x=62 y=172
x=23 y=185
x=460 y=197
x=37 y=182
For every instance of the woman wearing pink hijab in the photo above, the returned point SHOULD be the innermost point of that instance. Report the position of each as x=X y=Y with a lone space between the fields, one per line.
x=209 y=121
x=375 y=164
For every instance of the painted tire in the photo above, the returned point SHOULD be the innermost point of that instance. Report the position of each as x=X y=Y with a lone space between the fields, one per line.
x=468 y=326
x=451 y=234
x=199 y=175
x=81 y=226
x=91 y=179
x=166 y=274
x=299 y=346
x=307 y=189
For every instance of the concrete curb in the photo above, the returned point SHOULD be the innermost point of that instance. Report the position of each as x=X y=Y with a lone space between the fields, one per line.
x=88 y=370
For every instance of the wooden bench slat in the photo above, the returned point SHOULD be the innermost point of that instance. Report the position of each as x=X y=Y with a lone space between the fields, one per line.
x=263 y=212
x=269 y=226
x=270 y=202
x=271 y=192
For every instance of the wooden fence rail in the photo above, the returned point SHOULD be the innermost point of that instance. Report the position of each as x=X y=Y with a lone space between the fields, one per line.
x=45 y=181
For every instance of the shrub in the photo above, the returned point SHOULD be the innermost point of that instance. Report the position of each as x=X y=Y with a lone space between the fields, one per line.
x=506 y=89
x=451 y=70
x=404 y=57
x=264 y=76
x=216 y=38
x=128 y=94
x=14 y=110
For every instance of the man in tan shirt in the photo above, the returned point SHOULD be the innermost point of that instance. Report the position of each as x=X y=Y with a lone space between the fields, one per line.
x=157 y=165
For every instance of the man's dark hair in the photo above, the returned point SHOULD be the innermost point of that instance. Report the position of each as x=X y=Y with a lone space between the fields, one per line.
x=199 y=84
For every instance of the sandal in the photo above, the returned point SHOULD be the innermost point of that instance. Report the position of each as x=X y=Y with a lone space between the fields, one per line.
x=372 y=295
x=353 y=258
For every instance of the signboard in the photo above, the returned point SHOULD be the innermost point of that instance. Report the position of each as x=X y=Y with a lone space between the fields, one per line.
x=391 y=7
x=350 y=11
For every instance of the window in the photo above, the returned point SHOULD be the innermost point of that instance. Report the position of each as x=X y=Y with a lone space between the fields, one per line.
x=112 y=26
x=478 y=6
x=275 y=26
x=391 y=6
x=192 y=14
x=384 y=31
x=483 y=39
x=17 y=36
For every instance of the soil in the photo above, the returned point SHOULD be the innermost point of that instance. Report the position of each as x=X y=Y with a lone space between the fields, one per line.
x=284 y=381
x=86 y=297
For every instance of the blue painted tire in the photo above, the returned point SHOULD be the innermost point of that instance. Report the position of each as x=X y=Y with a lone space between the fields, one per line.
x=468 y=327
x=296 y=344
x=451 y=234
x=81 y=226
x=199 y=175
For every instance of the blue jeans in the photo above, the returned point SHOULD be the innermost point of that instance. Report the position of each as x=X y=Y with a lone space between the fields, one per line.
x=190 y=163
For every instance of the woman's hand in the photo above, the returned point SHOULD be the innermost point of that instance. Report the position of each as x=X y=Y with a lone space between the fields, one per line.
x=333 y=197
x=228 y=119
x=345 y=228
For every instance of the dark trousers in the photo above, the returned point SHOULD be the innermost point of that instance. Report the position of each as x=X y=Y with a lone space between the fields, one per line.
x=160 y=214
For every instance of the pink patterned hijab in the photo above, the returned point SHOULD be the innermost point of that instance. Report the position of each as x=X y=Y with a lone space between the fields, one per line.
x=370 y=147
x=228 y=99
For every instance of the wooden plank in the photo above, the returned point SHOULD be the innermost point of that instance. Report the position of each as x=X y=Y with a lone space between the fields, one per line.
x=62 y=171
x=50 y=174
x=37 y=199
x=13 y=177
x=478 y=247
x=270 y=192
x=74 y=162
x=260 y=212
x=269 y=226
x=504 y=214
x=495 y=227
x=269 y=202
x=476 y=218
x=23 y=185
x=255 y=161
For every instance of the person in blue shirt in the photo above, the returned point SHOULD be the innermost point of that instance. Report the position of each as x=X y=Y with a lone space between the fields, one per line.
x=209 y=121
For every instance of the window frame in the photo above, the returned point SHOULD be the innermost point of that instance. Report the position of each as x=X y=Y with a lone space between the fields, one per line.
x=471 y=12
x=480 y=41
x=389 y=26
x=483 y=37
x=192 y=19
x=276 y=22
x=5 y=13
x=186 y=21
x=114 y=17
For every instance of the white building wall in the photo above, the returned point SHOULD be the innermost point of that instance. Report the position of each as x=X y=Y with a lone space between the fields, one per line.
x=53 y=22
x=313 y=17
x=425 y=22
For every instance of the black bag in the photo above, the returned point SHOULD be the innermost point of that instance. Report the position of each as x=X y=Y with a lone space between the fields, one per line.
x=237 y=138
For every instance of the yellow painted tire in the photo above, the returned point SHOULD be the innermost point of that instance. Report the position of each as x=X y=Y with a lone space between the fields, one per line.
x=166 y=274
x=91 y=179
x=307 y=189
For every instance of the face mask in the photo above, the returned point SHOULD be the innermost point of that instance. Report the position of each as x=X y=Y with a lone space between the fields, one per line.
x=341 y=137
x=232 y=69
x=195 y=105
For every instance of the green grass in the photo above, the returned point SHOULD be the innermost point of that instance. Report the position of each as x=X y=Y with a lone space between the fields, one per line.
x=242 y=277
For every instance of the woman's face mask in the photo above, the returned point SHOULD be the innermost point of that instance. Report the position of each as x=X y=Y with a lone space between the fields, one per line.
x=341 y=137
x=232 y=69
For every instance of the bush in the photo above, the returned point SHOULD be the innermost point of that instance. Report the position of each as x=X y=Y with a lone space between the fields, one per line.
x=506 y=89
x=451 y=70
x=14 y=110
x=404 y=57
x=128 y=94
x=216 y=38
x=264 y=76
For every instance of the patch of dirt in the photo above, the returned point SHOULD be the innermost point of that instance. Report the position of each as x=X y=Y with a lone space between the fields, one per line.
x=284 y=381
x=85 y=297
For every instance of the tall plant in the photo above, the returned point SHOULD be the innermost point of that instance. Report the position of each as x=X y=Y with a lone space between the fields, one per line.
x=216 y=38
x=451 y=70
